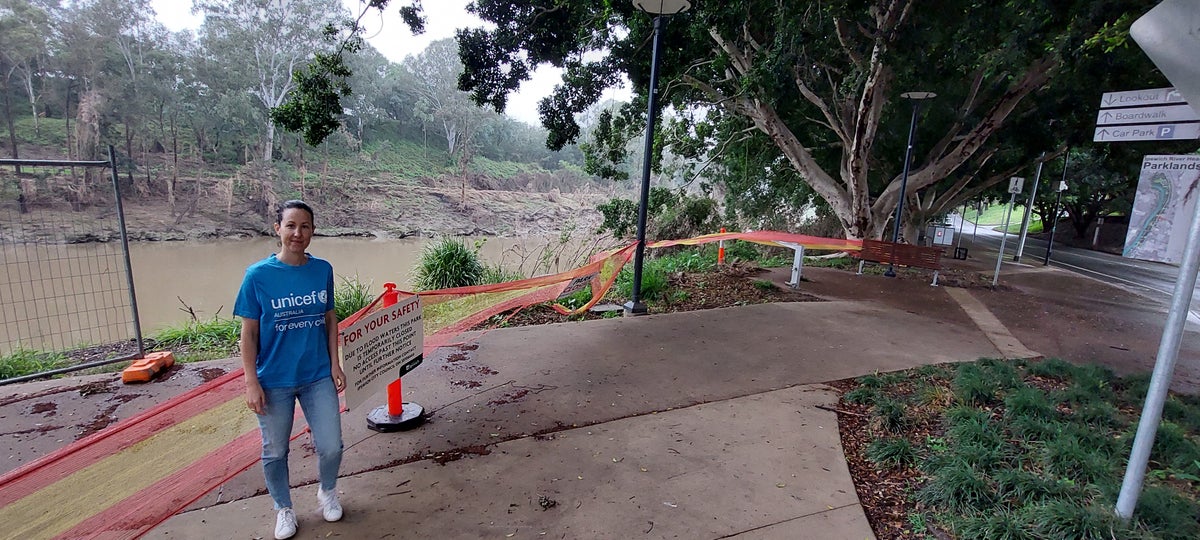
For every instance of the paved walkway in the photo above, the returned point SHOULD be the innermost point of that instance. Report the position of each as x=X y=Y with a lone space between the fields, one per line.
x=692 y=425
x=711 y=424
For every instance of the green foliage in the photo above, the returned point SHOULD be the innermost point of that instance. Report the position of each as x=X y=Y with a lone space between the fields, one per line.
x=1028 y=402
x=578 y=298
x=694 y=260
x=764 y=285
x=27 y=361
x=497 y=273
x=620 y=217
x=1052 y=368
x=200 y=340
x=445 y=264
x=351 y=295
x=891 y=452
x=862 y=395
x=1174 y=447
x=1002 y=525
x=654 y=282
x=957 y=486
x=973 y=386
x=1067 y=457
x=1168 y=512
x=889 y=414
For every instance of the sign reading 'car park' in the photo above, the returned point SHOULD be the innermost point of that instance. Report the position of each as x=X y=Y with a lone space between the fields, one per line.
x=1157 y=114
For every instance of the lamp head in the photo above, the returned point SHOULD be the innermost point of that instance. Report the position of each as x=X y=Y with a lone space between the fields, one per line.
x=663 y=7
x=918 y=96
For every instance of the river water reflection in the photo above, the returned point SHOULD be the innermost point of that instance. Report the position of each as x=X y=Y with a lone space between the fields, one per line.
x=206 y=275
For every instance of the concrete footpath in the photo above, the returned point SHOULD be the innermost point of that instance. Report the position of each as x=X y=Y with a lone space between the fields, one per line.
x=692 y=425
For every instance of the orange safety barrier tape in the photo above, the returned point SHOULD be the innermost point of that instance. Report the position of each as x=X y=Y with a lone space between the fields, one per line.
x=121 y=482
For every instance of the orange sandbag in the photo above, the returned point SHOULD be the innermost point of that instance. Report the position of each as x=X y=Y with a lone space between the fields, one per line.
x=145 y=369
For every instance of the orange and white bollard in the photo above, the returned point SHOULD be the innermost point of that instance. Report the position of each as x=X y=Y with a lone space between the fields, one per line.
x=721 y=250
x=398 y=415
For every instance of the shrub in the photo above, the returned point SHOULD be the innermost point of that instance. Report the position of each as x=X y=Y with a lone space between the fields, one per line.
x=1029 y=403
x=889 y=414
x=891 y=452
x=1168 y=514
x=1069 y=458
x=973 y=387
x=620 y=217
x=1002 y=524
x=497 y=273
x=1066 y=519
x=957 y=486
x=654 y=282
x=445 y=264
x=201 y=340
x=862 y=395
x=351 y=295
x=1052 y=368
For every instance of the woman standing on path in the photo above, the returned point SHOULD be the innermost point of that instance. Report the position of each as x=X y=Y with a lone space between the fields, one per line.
x=289 y=353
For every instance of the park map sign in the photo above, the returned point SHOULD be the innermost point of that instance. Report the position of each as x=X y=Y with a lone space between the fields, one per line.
x=1165 y=202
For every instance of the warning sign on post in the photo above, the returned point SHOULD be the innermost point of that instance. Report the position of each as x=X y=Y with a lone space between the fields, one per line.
x=376 y=346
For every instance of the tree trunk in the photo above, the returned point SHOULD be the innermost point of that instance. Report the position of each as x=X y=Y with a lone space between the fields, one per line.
x=174 y=179
x=268 y=152
x=129 y=152
x=12 y=130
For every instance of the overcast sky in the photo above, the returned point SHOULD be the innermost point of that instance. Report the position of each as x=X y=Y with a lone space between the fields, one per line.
x=389 y=35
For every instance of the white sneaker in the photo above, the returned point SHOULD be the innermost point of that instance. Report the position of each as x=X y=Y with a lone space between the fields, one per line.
x=330 y=508
x=285 y=524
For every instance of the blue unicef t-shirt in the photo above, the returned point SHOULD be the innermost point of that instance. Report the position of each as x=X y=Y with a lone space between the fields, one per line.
x=289 y=303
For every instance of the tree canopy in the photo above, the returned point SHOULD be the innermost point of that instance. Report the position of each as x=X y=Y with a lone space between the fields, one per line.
x=815 y=88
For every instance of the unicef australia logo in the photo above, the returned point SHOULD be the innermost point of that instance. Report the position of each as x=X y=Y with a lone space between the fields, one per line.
x=322 y=296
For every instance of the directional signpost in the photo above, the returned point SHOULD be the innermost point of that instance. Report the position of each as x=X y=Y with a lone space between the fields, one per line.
x=1168 y=34
x=1158 y=114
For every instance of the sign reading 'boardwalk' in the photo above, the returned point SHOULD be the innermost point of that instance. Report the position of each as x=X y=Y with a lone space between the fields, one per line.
x=1157 y=114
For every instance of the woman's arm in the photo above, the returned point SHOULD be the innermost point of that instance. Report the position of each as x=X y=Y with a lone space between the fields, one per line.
x=335 y=365
x=255 y=399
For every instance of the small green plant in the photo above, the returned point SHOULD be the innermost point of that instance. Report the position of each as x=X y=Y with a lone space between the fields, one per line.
x=1168 y=512
x=578 y=298
x=1028 y=402
x=891 y=452
x=764 y=285
x=916 y=522
x=973 y=387
x=957 y=486
x=681 y=296
x=654 y=282
x=1052 y=368
x=28 y=361
x=201 y=340
x=497 y=273
x=862 y=395
x=351 y=295
x=889 y=414
x=445 y=264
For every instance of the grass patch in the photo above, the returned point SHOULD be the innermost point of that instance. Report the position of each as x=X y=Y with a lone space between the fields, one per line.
x=200 y=340
x=351 y=295
x=28 y=361
x=1000 y=449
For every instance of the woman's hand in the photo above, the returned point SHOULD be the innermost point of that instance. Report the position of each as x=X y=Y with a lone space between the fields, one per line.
x=339 y=377
x=256 y=399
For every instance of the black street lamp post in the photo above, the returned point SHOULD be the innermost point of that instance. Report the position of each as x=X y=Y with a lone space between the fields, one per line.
x=1060 y=188
x=916 y=98
x=658 y=8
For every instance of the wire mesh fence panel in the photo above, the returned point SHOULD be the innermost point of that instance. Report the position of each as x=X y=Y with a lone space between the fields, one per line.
x=64 y=286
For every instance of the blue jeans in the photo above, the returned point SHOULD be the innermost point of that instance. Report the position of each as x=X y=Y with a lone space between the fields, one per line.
x=319 y=401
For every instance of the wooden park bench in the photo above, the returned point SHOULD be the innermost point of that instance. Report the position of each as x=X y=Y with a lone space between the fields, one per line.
x=877 y=251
